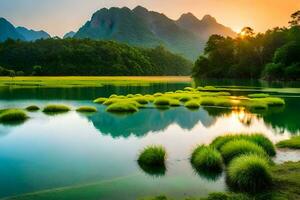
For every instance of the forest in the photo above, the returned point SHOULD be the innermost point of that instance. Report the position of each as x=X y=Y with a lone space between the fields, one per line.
x=84 y=57
x=273 y=55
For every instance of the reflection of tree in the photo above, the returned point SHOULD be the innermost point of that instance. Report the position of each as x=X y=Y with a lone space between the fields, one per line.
x=147 y=120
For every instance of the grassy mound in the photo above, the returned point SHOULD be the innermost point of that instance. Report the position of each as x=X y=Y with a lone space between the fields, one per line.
x=141 y=100
x=238 y=147
x=192 y=104
x=12 y=115
x=100 y=100
x=162 y=101
x=86 y=109
x=174 y=102
x=153 y=156
x=249 y=173
x=258 y=95
x=258 y=139
x=270 y=101
x=293 y=143
x=123 y=107
x=32 y=108
x=56 y=108
x=207 y=159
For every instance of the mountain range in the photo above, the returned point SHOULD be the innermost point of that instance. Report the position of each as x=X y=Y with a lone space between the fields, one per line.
x=139 y=27
x=7 y=30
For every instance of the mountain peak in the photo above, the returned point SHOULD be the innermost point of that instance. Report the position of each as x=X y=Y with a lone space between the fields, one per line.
x=209 y=19
x=140 y=9
x=188 y=16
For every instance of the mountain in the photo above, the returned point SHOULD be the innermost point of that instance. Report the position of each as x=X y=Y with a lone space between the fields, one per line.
x=205 y=27
x=142 y=28
x=69 y=34
x=32 y=35
x=7 y=30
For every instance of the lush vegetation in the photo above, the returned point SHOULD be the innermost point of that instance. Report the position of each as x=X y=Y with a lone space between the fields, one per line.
x=76 y=57
x=273 y=55
x=293 y=143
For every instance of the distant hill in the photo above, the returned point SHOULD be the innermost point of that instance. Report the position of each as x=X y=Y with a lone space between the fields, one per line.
x=141 y=27
x=69 y=35
x=204 y=28
x=32 y=35
x=8 y=30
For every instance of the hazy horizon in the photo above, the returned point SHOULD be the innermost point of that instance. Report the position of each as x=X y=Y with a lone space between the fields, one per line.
x=58 y=17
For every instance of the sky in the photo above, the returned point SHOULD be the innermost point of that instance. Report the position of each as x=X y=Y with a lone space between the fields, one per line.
x=58 y=17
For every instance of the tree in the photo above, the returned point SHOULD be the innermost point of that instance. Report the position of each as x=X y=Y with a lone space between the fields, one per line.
x=295 y=21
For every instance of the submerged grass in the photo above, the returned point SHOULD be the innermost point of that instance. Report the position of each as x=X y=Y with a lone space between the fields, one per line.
x=249 y=173
x=87 y=109
x=56 y=108
x=293 y=143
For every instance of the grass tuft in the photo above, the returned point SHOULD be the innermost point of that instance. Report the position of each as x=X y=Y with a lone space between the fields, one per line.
x=238 y=147
x=258 y=139
x=249 y=173
x=32 y=108
x=12 y=115
x=192 y=104
x=207 y=159
x=87 y=109
x=162 y=101
x=258 y=95
x=100 y=100
x=153 y=156
x=123 y=107
x=56 y=108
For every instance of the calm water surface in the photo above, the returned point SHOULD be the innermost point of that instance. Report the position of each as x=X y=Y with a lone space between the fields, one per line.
x=78 y=156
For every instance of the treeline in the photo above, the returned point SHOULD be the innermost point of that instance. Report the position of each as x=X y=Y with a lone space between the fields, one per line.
x=85 y=57
x=274 y=55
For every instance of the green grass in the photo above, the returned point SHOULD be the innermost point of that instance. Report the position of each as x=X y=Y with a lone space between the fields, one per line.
x=32 y=108
x=192 y=104
x=123 y=107
x=175 y=103
x=141 y=100
x=100 y=100
x=249 y=173
x=56 y=108
x=206 y=158
x=238 y=147
x=258 y=95
x=257 y=138
x=153 y=156
x=12 y=115
x=87 y=109
x=270 y=101
x=293 y=143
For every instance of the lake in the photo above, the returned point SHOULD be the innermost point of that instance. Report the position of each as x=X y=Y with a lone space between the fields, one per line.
x=93 y=156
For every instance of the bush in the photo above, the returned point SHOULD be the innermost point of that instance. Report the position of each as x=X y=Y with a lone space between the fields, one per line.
x=12 y=115
x=293 y=143
x=206 y=158
x=86 y=109
x=258 y=139
x=238 y=147
x=249 y=173
x=192 y=104
x=100 y=100
x=122 y=107
x=153 y=156
x=56 y=108
x=32 y=108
